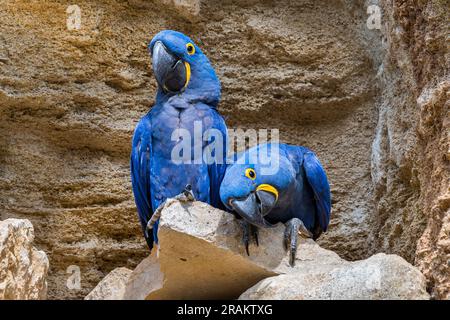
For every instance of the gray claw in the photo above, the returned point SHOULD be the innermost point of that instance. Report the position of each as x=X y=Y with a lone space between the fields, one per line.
x=303 y=231
x=187 y=195
x=294 y=227
x=255 y=234
x=249 y=231
x=245 y=235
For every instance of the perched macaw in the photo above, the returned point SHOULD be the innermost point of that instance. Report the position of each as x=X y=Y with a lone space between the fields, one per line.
x=273 y=183
x=187 y=98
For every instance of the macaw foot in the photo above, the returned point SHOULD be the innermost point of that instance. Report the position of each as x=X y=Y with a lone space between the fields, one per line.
x=294 y=227
x=155 y=216
x=249 y=231
x=186 y=196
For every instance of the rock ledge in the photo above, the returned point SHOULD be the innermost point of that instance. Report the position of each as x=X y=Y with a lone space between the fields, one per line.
x=200 y=256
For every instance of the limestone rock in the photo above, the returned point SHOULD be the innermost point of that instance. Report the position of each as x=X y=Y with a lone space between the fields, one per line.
x=200 y=256
x=112 y=287
x=146 y=278
x=410 y=168
x=23 y=269
x=378 y=277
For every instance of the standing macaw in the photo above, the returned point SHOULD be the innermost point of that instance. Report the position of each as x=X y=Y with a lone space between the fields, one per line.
x=273 y=183
x=187 y=98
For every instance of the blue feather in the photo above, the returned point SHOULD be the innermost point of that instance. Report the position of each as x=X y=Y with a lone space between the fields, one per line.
x=317 y=179
x=155 y=176
x=301 y=182
x=140 y=173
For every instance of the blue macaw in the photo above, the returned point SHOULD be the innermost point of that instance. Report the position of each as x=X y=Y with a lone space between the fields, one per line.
x=273 y=183
x=188 y=94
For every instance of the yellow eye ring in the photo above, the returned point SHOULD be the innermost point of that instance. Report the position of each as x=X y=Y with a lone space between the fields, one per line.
x=190 y=48
x=250 y=173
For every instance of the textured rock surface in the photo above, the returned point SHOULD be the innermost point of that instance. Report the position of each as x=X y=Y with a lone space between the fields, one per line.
x=112 y=287
x=380 y=277
x=201 y=256
x=146 y=278
x=23 y=269
x=410 y=157
x=70 y=100
x=371 y=103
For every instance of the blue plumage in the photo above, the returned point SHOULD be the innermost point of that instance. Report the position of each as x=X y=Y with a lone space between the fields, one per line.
x=292 y=188
x=187 y=98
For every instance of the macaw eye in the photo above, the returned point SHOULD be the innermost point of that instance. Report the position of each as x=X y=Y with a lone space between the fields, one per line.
x=190 y=49
x=250 y=173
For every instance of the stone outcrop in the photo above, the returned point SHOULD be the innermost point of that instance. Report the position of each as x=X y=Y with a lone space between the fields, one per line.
x=23 y=269
x=201 y=256
x=372 y=103
x=112 y=287
x=410 y=152
x=380 y=277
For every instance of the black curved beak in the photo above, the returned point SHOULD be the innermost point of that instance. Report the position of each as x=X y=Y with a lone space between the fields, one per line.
x=255 y=206
x=170 y=72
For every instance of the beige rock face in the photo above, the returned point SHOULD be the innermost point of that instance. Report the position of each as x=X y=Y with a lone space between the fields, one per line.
x=371 y=103
x=410 y=157
x=23 y=269
x=112 y=287
x=145 y=279
x=201 y=256
x=380 y=277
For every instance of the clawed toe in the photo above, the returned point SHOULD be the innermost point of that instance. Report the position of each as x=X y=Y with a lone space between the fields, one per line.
x=294 y=227
x=249 y=231
x=187 y=195
x=155 y=216
x=255 y=235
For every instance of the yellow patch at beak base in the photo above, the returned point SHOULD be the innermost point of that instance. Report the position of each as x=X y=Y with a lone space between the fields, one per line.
x=188 y=73
x=268 y=188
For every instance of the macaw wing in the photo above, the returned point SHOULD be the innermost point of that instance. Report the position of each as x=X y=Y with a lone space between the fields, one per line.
x=318 y=181
x=140 y=174
x=217 y=169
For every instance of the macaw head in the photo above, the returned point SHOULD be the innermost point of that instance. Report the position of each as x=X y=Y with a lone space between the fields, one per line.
x=251 y=189
x=180 y=66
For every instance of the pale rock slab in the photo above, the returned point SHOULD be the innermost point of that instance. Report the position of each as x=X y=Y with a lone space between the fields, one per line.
x=201 y=256
x=23 y=269
x=380 y=277
x=112 y=287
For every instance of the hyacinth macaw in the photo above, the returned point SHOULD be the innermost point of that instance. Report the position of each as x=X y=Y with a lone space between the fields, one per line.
x=294 y=191
x=187 y=97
